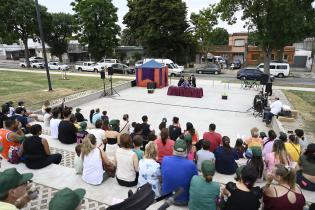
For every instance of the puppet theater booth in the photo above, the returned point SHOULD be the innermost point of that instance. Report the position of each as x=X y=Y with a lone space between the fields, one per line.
x=152 y=75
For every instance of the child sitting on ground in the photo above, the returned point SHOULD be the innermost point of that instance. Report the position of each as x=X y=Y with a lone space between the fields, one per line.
x=82 y=133
x=239 y=147
x=137 y=142
x=78 y=164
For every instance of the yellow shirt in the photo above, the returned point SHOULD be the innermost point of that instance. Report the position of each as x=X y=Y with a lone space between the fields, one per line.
x=254 y=142
x=7 y=206
x=294 y=151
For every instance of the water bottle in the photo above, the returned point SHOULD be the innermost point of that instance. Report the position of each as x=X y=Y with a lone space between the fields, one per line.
x=10 y=152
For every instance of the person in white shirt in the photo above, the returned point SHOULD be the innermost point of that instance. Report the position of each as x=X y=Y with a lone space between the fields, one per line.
x=47 y=117
x=54 y=123
x=125 y=125
x=204 y=154
x=276 y=108
x=98 y=132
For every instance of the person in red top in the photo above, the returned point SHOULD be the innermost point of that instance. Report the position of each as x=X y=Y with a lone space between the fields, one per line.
x=164 y=145
x=214 y=137
x=11 y=135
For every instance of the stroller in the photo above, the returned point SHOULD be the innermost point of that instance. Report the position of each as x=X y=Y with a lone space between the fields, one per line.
x=143 y=198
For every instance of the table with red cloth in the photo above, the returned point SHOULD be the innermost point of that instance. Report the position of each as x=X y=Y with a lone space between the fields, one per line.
x=185 y=91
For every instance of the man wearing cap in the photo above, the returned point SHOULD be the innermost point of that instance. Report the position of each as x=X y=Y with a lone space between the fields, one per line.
x=203 y=192
x=13 y=189
x=79 y=116
x=67 y=199
x=177 y=172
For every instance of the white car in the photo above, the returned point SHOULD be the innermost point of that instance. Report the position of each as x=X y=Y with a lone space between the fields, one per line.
x=33 y=64
x=138 y=63
x=108 y=62
x=57 y=66
x=89 y=66
x=34 y=58
x=173 y=69
x=277 y=69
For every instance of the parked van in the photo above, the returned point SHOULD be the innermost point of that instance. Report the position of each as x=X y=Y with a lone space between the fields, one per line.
x=108 y=62
x=173 y=69
x=277 y=69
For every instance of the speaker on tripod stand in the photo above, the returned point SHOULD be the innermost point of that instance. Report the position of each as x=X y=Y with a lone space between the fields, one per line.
x=111 y=73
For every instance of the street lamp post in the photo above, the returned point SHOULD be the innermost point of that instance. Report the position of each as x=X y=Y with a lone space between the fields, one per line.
x=41 y=33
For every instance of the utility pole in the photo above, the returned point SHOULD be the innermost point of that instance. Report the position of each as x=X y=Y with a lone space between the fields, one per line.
x=41 y=33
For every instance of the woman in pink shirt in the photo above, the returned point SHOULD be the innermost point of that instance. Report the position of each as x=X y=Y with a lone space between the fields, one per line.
x=278 y=155
x=164 y=145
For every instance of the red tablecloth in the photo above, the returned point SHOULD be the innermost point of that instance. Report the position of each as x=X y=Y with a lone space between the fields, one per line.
x=186 y=92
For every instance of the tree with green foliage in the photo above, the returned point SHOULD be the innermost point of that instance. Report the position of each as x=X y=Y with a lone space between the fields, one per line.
x=18 y=21
x=160 y=26
x=275 y=23
x=203 y=24
x=97 y=23
x=219 y=36
x=128 y=39
x=58 y=33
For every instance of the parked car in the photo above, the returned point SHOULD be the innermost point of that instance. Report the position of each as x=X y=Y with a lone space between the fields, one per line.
x=251 y=74
x=277 y=69
x=89 y=66
x=108 y=62
x=173 y=69
x=33 y=64
x=237 y=64
x=122 y=69
x=138 y=63
x=179 y=67
x=209 y=68
x=36 y=58
x=57 y=66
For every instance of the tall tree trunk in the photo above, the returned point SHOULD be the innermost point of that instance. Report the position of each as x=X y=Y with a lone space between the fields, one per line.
x=26 y=52
x=279 y=56
x=267 y=59
x=60 y=58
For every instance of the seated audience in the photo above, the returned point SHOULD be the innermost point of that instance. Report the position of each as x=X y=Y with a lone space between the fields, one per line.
x=302 y=140
x=11 y=135
x=162 y=125
x=268 y=142
x=82 y=133
x=11 y=108
x=152 y=136
x=225 y=157
x=112 y=139
x=25 y=122
x=146 y=129
x=92 y=111
x=283 y=137
x=192 y=132
x=93 y=160
x=177 y=172
x=54 y=123
x=243 y=195
x=104 y=116
x=254 y=140
x=239 y=147
x=150 y=170
x=278 y=155
x=191 y=149
x=46 y=105
x=67 y=132
x=137 y=143
x=306 y=174
x=174 y=130
x=96 y=116
x=99 y=133
x=284 y=195
x=257 y=162
x=127 y=164
x=4 y=115
x=78 y=164
x=203 y=192
x=67 y=199
x=14 y=189
x=35 y=150
x=78 y=116
x=125 y=125
x=293 y=148
x=164 y=145
x=47 y=117
x=214 y=137
x=204 y=154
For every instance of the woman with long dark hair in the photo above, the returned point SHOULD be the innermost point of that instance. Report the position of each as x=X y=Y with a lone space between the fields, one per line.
x=306 y=174
x=279 y=155
x=257 y=162
x=243 y=195
x=225 y=157
x=164 y=145
x=91 y=115
x=192 y=131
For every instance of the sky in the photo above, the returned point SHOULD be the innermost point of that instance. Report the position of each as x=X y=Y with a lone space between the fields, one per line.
x=192 y=6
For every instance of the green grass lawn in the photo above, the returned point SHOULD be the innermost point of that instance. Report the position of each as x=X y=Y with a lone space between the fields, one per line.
x=32 y=87
x=304 y=102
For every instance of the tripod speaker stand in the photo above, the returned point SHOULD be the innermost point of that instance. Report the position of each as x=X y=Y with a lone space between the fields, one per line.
x=112 y=91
